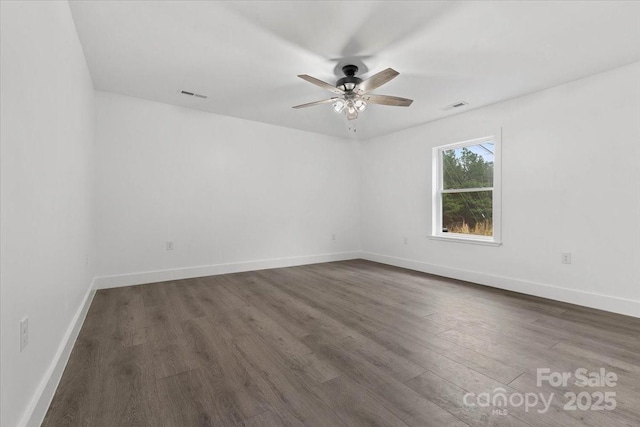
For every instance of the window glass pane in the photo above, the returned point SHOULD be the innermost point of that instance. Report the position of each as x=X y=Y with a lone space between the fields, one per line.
x=468 y=167
x=468 y=213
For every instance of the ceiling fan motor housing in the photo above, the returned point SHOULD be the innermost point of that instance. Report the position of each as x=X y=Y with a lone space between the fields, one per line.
x=349 y=82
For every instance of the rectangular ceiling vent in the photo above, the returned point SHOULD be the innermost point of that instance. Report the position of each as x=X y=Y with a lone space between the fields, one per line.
x=197 y=95
x=458 y=104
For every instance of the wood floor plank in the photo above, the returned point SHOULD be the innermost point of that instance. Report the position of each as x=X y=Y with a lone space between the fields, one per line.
x=422 y=352
x=285 y=389
x=279 y=306
x=363 y=292
x=186 y=400
x=628 y=364
x=263 y=325
x=183 y=301
x=493 y=332
x=307 y=368
x=342 y=310
x=171 y=359
x=570 y=334
x=400 y=368
x=598 y=317
x=391 y=363
x=603 y=333
x=355 y=405
x=451 y=397
x=130 y=327
x=74 y=400
x=213 y=349
x=404 y=402
x=266 y=419
x=527 y=383
x=128 y=394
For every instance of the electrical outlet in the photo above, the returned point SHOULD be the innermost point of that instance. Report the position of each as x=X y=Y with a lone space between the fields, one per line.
x=566 y=258
x=170 y=245
x=333 y=237
x=24 y=333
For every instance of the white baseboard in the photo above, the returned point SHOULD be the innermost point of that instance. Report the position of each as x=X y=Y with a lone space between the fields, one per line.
x=37 y=409
x=572 y=296
x=216 y=269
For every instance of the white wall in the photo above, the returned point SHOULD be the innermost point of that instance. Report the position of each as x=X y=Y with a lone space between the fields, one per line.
x=224 y=190
x=46 y=214
x=571 y=183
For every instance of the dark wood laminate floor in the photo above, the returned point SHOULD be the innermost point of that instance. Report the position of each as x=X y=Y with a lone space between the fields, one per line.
x=345 y=343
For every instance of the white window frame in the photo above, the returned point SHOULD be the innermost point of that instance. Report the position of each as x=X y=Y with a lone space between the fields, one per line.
x=438 y=190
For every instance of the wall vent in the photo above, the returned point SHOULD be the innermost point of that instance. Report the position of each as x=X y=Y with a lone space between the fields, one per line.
x=458 y=104
x=197 y=95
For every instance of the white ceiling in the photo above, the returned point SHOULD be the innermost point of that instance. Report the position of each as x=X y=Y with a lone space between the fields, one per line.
x=245 y=55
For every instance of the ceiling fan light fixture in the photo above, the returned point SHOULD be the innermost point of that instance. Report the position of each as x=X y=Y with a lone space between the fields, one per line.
x=360 y=105
x=352 y=111
x=339 y=106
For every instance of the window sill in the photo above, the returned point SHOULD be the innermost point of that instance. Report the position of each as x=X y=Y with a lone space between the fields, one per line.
x=459 y=239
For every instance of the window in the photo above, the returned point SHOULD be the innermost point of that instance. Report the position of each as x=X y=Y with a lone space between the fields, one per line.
x=466 y=191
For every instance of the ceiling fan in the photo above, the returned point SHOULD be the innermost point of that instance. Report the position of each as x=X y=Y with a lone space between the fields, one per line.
x=353 y=92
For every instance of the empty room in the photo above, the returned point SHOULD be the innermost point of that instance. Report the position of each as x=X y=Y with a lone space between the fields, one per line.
x=319 y=213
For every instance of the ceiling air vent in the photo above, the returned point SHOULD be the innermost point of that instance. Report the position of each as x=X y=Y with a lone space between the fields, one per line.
x=197 y=95
x=458 y=104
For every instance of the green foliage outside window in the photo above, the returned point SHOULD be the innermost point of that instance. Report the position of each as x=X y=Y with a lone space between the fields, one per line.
x=468 y=212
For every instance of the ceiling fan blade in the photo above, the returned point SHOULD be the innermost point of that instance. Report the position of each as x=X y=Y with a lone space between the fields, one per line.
x=376 y=81
x=394 y=101
x=311 y=104
x=320 y=83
